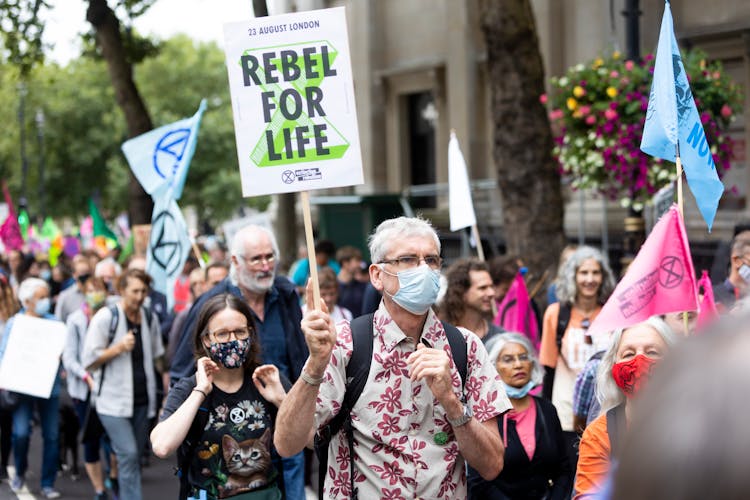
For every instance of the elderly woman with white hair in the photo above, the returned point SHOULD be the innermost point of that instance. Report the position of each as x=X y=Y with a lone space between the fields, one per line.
x=625 y=368
x=536 y=462
x=33 y=294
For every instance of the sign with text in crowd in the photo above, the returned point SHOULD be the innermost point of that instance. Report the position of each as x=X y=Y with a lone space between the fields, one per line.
x=295 y=118
x=32 y=355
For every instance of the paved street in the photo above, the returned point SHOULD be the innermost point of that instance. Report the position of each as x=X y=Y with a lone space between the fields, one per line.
x=159 y=481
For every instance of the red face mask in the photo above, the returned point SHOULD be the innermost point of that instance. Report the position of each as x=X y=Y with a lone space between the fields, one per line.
x=632 y=374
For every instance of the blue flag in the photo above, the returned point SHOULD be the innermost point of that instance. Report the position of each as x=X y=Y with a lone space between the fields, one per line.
x=673 y=119
x=162 y=156
x=168 y=246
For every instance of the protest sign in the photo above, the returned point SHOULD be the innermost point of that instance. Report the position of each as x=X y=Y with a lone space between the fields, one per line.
x=295 y=119
x=32 y=355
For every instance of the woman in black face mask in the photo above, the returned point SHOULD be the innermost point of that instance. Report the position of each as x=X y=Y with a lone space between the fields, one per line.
x=221 y=420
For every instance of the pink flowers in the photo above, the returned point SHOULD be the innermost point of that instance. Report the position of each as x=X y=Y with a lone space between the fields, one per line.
x=543 y=98
x=598 y=111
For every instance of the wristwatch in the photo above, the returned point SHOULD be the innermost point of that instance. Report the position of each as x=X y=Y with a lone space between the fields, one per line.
x=463 y=419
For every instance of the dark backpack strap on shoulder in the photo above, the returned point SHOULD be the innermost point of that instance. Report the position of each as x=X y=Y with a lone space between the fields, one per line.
x=357 y=371
x=615 y=427
x=563 y=318
x=458 y=349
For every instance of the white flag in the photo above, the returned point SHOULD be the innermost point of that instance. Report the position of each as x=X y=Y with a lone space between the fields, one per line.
x=459 y=193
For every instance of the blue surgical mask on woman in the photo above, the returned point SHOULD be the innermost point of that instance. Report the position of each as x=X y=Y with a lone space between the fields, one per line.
x=417 y=288
x=518 y=392
x=42 y=306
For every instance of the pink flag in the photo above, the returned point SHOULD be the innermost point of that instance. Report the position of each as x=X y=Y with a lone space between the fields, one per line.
x=515 y=313
x=707 y=312
x=660 y=280
x=10 y=231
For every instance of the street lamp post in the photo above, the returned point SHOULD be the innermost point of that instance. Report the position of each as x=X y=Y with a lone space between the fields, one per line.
x=39 y=118
x=635 y=233
x=22 y=202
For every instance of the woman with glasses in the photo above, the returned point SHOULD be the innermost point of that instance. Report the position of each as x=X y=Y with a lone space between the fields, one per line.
x=122 y=348
x=583 y=287
x=221 y=420
x=536 y=463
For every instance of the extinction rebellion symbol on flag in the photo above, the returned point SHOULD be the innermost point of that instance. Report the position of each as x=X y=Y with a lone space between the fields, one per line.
x=293 y=103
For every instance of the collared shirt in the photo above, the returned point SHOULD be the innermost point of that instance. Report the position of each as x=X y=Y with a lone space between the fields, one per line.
x=272 y=336
x=395 y=420
x=585 y=403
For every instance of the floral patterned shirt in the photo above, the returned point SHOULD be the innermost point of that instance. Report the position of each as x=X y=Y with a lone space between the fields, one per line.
x=396 y=421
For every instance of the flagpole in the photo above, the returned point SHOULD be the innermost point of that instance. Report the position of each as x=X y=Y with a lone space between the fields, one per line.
x=305 y=199
x=197 y=253
x=478 y=240
x=678 y=163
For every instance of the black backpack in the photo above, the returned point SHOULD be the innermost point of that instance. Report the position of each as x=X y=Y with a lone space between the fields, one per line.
x=357 y=371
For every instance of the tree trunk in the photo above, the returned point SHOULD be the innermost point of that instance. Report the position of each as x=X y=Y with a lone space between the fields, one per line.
x=108 y=38
x=527 y=174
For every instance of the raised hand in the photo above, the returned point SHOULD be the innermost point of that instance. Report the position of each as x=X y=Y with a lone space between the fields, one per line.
x=266 y=379
x=320 y=335
x=432 y=366
x=204 y=374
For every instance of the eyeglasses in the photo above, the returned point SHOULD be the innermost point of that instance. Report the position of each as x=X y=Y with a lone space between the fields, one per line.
x=257 y=260
x=222 y=336
x=411 y=261
x=509 y=359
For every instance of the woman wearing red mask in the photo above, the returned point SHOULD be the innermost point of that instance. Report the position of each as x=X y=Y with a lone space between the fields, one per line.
x=625 y=368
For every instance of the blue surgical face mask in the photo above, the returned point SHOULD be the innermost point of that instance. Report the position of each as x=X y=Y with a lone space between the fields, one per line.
x=744 y=272
x=518 y=392
x=417 y=288
x=41 y=308
x=45 y=274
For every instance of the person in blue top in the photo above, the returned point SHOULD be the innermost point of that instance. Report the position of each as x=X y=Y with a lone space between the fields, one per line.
x=325 y=253
x=34 y=295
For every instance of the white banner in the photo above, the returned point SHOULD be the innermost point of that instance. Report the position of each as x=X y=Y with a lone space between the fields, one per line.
x=32 y=355
x=295 y=119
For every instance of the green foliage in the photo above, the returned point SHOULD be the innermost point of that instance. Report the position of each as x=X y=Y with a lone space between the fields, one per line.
x=21 y=31
x=84 y=130
x=598 y=112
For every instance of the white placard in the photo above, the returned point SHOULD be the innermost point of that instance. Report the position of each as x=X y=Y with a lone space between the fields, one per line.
x=32 y=355
x=295 y=119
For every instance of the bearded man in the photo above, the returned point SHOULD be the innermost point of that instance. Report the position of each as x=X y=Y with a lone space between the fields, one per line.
x=277 y=314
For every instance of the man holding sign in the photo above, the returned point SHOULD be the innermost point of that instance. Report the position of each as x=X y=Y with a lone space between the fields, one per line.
x=417 y=421
x=30 y=365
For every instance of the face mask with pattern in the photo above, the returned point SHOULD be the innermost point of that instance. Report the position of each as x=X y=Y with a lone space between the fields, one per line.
x=230 y=354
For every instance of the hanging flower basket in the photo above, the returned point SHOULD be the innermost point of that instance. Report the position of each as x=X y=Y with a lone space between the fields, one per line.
x=597 y=113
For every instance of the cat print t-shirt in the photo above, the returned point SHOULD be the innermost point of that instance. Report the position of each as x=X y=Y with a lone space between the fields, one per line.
x=233 y=456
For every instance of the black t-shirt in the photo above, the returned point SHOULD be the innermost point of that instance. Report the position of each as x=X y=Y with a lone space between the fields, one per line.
x=140 y=393
x=233 y=455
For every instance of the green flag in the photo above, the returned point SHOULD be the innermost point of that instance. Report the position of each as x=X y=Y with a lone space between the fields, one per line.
x=100 y=226
x=23 y=223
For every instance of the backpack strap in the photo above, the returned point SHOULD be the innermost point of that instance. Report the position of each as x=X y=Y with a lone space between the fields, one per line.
x=458 y=350
x=563 y=318
x=357 y=371
x=615 y=427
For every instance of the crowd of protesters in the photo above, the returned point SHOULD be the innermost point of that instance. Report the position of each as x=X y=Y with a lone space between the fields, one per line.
x=257 y=373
